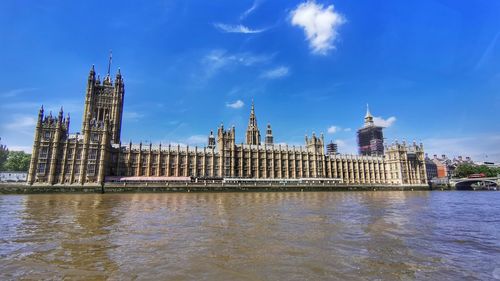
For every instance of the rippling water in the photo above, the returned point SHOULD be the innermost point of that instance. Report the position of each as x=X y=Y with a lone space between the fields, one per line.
x=251 y=236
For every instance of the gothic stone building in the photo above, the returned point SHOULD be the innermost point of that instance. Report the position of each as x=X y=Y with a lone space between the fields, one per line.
x=97 y=154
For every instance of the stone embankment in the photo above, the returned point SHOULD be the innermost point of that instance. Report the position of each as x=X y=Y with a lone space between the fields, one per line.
x=19 y=188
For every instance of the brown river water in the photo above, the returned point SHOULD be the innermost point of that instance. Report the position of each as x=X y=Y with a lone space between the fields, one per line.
x=251 y=236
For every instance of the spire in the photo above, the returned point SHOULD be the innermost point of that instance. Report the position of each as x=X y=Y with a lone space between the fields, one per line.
x=252 y=120
x=368 y=114
x=252 y=134
x=368 y=117
x=109 y=62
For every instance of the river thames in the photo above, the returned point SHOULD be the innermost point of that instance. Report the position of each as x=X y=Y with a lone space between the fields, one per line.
x=251 y=236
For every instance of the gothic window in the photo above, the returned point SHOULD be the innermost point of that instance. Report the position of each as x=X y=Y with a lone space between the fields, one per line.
x=70 y=153
x=93 y=154
x=91 y=169
x=67 y=169
x=94 y=137
x=44 y=152
x=78 y=154
x=46 y=135
x=41 y=168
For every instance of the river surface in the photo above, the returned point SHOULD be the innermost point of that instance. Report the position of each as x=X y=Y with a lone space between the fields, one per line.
x=251 y=236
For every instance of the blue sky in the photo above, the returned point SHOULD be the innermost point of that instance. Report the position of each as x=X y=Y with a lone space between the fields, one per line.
x=429 y=69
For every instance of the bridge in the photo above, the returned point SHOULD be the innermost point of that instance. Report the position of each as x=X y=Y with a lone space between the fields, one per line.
x=491 y=183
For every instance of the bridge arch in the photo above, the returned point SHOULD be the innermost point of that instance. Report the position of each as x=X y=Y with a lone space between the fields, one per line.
x=475 y=184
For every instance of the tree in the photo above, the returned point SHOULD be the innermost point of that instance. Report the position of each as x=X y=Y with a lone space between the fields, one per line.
x=17 y=161
x=465 y=170
x=4 y=152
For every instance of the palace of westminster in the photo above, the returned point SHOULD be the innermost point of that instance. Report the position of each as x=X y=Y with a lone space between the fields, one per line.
x=97 y=154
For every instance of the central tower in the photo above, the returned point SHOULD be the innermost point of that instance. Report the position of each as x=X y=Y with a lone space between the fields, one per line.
x=252 y=134
x=105 y=100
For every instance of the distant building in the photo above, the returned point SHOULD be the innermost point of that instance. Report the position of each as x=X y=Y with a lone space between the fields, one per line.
x=332 y=148
x=446 y=166
x=370 y=137
x=430 y=168
x=10 y=176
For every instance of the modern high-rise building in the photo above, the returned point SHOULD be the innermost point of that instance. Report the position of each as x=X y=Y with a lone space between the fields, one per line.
x=370 y=137
x=96 y=155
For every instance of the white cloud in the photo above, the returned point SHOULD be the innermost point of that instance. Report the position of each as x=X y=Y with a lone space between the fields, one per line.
x=347 y=146
x=219 y=59
x=320 y=25
x=16 y=92
x=276 y=73
x=237 y=104
x=478 y=147
x=237 y=28
x=250 y=10
x=27 y=149
x=21 y=122
x=333 y=129
x=132 y=115
x=386 y=123
x=197 y=140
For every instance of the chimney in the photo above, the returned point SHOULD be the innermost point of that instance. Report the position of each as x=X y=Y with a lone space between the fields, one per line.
x=443 y=156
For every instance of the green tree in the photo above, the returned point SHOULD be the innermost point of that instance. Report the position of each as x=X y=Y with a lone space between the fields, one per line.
x=17 y=161
x=4 y=152
x=465 y=170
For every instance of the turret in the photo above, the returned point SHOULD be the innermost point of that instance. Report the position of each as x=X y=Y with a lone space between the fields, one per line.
x=40 y=116
x=269 y=135
x=60 y=116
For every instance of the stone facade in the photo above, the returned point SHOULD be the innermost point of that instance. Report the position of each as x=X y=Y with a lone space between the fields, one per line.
x=88 y=158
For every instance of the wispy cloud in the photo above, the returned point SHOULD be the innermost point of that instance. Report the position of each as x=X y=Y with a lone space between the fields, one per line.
x=132 y=115
x=194 y=140
x=16 y=92
x=276 y=73
x=237 y=28
x=197 y=140
x=320 y=25
x=347 y=146
x=479 y=147
x=21 y=122
x=386 y=123
x=25 y=148
x=237 y=104
x=335 y=129
x=218 y=59
x=250 y=10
